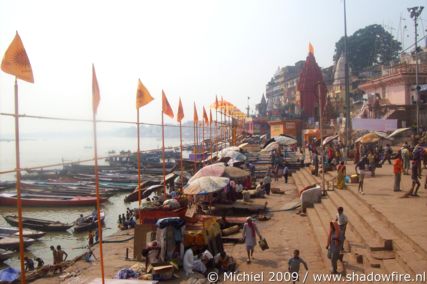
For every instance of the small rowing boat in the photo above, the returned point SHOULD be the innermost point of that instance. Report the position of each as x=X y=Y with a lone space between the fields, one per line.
x=5 y=254
x=38 y=224
x=13 y=231
x=9 y=199
x=12 y=243
x=88 y=223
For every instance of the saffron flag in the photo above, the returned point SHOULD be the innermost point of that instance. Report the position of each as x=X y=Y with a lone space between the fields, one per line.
x=166 y=107
x=205 y=116
x=96 y=97
x=180 y=114
x=16 y=62
x=310 y=48
x=143 y=97
x=196 y=117
x=210 y=116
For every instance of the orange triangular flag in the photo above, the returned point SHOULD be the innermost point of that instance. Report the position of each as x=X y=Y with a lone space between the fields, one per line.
x=166 y=107
x=210 y=115
x=180 y=114
x=205 y=116
x=96 y=97
x=196 y=117
x=310 y=48
x=16 y=62
x=143 y=97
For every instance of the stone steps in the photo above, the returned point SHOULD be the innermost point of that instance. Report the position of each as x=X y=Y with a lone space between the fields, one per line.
x=410 y=257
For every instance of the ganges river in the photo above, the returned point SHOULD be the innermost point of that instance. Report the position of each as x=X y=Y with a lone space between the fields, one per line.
x=36 y=152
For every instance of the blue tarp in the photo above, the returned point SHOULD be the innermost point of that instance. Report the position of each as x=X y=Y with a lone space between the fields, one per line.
x=9 y=275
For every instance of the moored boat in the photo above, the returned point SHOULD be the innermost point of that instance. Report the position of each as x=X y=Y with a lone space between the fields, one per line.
x=13 y=231
x=88 y=223
x=38 y=224
x=12 y=243
x=5 y=254
x=145 y=192
x=8 y=199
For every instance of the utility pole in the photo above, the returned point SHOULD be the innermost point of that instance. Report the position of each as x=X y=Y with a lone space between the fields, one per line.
x=322 y=147
x=347 y=139
x=414 y=13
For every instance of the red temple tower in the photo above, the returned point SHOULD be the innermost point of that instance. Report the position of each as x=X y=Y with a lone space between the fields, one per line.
x=310 y=77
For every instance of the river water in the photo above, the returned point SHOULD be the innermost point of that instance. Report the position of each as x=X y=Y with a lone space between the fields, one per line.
x=37 y=152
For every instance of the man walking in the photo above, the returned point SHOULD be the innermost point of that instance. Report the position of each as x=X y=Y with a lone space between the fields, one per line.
x=415 y=180
x=294 y=266
x=342 y=221
x=250 y=230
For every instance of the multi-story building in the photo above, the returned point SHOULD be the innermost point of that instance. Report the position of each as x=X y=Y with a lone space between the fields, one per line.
x=281 y=92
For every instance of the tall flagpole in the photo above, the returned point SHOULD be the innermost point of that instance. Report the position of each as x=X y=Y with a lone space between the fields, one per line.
x=98 y=203
x=221 y=127
x=194 y=149
x=203 y=139
x=216 y=124
x=138 y=158
x=18 y=185
x=163 y=156
x=210 y=134
x=182 y=164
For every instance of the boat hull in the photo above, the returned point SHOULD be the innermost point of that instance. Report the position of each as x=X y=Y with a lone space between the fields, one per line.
x=40 y=225
x=49 y=202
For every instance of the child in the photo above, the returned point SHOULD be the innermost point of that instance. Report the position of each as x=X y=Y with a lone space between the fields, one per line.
x=286 y=173
x=294 y=264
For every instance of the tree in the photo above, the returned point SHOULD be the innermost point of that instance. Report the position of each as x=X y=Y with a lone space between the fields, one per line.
x=367 y=47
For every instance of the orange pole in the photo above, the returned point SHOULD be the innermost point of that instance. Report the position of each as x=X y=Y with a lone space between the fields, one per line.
x=98 y=203
x=138 y=158
x=182 y=164
x=216 y=126
x=194 y=149
x=203 y=140
x=210 y=136
x=18 y=186
x=163 y=156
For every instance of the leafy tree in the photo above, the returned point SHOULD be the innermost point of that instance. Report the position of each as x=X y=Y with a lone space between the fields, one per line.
x=367 y=47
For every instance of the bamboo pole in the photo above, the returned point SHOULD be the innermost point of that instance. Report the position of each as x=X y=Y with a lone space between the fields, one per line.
x=98 y=203
x=18 y=186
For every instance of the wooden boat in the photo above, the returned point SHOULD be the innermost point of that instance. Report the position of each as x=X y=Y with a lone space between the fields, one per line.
x=13 y=231
x=150 y=215
x=7 y=199
x=12 y=243
x=145 y=192
x=88 y=223
x=5 y=254
x=38 y=224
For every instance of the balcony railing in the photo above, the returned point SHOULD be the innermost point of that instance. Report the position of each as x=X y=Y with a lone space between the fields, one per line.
x=404 y=69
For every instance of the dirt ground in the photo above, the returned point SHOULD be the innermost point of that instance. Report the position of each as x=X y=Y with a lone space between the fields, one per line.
x=285 y=232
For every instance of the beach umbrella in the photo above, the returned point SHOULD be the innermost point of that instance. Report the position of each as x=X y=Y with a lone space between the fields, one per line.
x=398 y=132
x=329 y=139
x=206 y=185
x=372 y=137
x=234 y=172
x=285 y=140
x=215 y=170
x=382 y=134
x=232 y=148
x=241 y=146
x=233 y=155
x=271 y=147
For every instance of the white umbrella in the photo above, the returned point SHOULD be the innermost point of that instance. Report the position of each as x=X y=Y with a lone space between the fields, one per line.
x=271 y=147
x=285 y=140
x=398 y=132
x=206 y=185
x=329 y=139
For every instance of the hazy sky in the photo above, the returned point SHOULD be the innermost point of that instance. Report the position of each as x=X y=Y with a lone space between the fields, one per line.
x=193 y=49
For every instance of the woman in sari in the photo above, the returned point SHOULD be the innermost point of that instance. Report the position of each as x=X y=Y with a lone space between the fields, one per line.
x=341 y=173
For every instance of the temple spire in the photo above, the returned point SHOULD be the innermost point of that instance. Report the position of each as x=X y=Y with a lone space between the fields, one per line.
x=310 y=48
